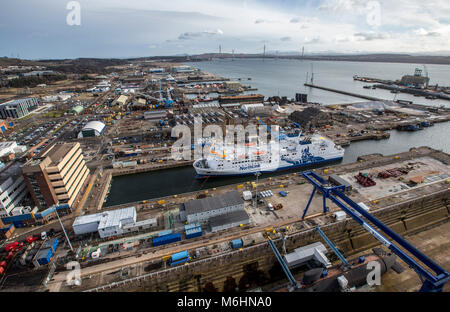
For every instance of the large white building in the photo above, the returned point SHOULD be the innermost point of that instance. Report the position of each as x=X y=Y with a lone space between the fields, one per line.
x=7 y=148
x=108 y=223
x=12 y=188
x=92 y=128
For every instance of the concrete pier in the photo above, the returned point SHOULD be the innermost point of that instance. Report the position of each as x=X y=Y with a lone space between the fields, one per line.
x=366 y=97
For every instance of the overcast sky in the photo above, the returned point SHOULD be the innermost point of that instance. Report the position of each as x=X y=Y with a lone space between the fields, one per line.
x=37 y=29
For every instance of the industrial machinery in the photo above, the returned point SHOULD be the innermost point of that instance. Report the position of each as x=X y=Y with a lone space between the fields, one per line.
x=431 y=282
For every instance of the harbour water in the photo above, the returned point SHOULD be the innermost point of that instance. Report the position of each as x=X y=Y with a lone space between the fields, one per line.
x=285 y=78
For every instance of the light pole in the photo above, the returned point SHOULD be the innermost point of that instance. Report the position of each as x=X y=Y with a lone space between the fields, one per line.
x=256 y=190
x=64 y=230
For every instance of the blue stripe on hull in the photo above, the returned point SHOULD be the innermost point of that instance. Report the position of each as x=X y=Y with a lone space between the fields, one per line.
x=204 y=176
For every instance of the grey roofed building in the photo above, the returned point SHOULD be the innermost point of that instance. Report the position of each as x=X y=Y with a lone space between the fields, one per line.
x=200 y=210
x=232 y=219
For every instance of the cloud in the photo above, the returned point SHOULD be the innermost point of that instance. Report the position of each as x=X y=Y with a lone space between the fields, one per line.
x=369 y=36
x=313 y=40
x=194 y=35
x=356 y=6
x=287 y=38
x=425 y=33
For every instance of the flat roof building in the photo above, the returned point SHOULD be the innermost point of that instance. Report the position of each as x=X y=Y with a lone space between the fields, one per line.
x=226 y=221
x=7 y=148
x=13 y=188
x=18 y=108
x=121 y=100
x=108 y=223
x=57 y=176
x=201 y=210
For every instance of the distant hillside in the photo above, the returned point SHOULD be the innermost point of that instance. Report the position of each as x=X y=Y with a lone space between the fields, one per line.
x=78 y=66
x=388 y=58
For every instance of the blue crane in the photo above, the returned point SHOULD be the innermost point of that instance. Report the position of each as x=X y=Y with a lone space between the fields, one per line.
x=283 y=264
x=430 y=282
x=332 y=246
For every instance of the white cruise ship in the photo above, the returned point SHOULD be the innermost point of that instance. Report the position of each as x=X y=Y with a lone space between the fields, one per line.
x=288 y=154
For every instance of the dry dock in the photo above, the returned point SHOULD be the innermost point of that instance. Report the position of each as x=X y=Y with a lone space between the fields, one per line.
x=407 y=209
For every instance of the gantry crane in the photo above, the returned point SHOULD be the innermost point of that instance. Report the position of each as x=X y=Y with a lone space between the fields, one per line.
x=431 y=282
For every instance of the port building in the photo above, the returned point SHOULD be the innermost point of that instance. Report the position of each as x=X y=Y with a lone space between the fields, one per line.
x=18 y=108
x=222 y=211
x=7 y=148
x=92 y=129
x=57 y=176
x=226 y=221
x=13 y=188
x=121 y=100
x=108 y=223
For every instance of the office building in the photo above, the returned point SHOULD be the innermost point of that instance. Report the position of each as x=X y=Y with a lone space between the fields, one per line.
x=57 y=175
x=18 y=108
x=13 y=188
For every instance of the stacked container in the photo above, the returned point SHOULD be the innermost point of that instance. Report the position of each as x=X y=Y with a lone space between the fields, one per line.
x=193 y=230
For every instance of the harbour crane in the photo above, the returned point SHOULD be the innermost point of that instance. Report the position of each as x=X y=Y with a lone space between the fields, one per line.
x=425 y=69
x=430 y=282
x=333 y=247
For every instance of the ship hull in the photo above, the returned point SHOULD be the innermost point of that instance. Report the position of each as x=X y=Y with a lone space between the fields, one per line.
x=203 y=173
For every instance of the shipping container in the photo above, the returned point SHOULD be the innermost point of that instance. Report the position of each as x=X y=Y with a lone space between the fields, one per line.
x=237 y=243
x=166 y=232
x=178 y=258
x=44 y=256
x=167 y=239
x=194 y=232
x=12 y=219
x=51 y=243
x=192 y=226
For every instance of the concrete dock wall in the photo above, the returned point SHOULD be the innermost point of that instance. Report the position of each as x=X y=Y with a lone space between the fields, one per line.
x=404 y=218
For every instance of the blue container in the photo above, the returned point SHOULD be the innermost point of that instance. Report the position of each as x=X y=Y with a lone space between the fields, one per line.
x=3 y=128
x=51 y=243
x=166 y=232
x=195 y=232
x=167 y=239
x=179 y=256
x=283 y=193
x=237 y=243
x=18 y=224
x=12 y=219
x=192 y=226
x=44 y=256
x=6 y=229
